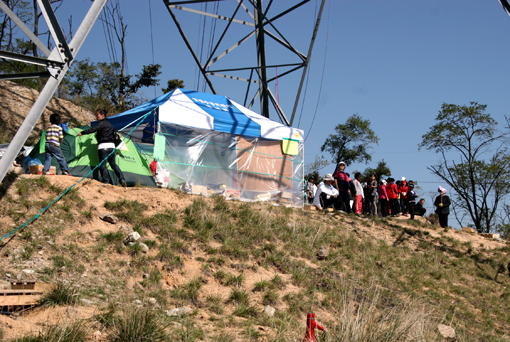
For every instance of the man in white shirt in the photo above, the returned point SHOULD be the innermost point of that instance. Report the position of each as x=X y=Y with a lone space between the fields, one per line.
x=326 y=193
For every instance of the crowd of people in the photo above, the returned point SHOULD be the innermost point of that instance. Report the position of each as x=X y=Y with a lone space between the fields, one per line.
x=384 y=197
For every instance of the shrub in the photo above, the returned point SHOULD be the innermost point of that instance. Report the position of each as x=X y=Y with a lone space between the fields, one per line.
x=60 y=294
x=136 y=325
x=76 y=332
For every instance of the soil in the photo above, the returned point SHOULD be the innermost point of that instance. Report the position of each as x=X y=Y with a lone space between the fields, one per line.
x=159 y=200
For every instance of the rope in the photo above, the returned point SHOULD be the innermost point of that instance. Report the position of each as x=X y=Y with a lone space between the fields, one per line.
x=323 y=71
x=69 y=188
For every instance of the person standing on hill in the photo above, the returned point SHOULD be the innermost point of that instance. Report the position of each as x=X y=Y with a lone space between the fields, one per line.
x=105 y=139
x=54 y=137
x=383 y=198
x=358 y=202
x=392 y=190
x=411 y=198
x=372 y=195
x=342 y=185
x=442 y=204
x=404 y=203
x=311 y=189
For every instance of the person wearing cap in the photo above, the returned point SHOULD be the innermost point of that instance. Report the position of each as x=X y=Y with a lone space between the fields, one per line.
x=326 y=194
x=383 y=198
x=402 y=189
x=343 y=186
x=411 y=199
x=442 y=204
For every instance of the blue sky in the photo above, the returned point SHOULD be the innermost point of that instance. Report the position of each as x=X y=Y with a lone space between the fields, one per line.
x=392 y=62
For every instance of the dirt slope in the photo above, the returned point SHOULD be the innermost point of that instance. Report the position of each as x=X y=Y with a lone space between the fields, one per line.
x=71 y=244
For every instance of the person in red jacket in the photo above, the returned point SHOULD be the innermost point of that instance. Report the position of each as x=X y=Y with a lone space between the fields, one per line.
x=383 y=198
x=404 y=202
x=392 y=190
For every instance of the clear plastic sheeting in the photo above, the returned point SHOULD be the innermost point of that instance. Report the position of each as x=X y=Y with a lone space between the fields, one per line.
x=237 y=167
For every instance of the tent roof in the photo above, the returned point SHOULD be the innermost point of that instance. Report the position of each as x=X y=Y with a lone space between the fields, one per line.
x=206 y=111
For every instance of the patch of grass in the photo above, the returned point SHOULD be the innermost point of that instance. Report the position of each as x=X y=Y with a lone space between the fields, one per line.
x=188 y=291
x=215 y=304
x=137 y=325
x=270 y=298
x=233 y=280
x=239 y=296
x=261 y=286
x=61 y=261
x=60 y=294
x=245 y=310
x=75 y=332
x=113 y=236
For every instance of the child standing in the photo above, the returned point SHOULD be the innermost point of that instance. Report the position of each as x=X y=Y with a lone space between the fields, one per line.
x=54 y=138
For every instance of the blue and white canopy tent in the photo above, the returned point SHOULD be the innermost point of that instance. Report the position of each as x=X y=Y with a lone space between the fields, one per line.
x=210 y=144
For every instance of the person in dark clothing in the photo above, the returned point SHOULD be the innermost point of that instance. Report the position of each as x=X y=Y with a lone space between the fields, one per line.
x=419 y=210
x=342 y=185
x=411 y=200
x=442 y=204
x=105 y=145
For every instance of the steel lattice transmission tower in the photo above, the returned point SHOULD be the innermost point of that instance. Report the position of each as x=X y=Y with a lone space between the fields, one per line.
x=261 y=27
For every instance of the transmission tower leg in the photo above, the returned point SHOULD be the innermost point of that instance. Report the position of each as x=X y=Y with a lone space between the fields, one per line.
x=49 y=89
x=261 y=54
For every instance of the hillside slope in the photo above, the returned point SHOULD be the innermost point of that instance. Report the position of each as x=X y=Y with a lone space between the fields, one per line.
x=17 y=100
x=228 y=263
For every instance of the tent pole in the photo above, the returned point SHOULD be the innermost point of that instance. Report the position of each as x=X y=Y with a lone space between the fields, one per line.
x=49 y=89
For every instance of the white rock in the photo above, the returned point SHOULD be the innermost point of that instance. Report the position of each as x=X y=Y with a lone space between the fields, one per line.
x=179 y=311
x=446 y=331
x=269 y=310
x=132 y=237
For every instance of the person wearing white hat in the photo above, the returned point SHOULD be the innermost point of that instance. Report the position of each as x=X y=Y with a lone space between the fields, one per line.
x=442 y=204
x=326 y=194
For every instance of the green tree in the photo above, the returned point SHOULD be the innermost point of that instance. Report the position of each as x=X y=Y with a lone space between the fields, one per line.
x=103 y=85
x=312 y=169
x=480 y=177
x=173 y=84
x=381 y=170
x=351 y=142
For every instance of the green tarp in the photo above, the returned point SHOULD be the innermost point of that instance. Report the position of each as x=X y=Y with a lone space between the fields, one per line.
x=81 y=156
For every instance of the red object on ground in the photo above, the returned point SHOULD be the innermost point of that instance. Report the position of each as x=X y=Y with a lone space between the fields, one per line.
x=311 y=324
x=153 y=167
